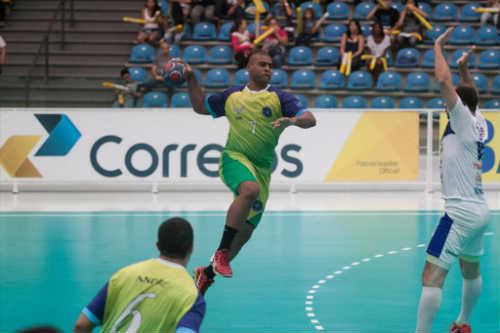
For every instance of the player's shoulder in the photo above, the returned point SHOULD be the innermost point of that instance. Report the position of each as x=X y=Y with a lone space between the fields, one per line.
x=234 y=89
x=281 y=93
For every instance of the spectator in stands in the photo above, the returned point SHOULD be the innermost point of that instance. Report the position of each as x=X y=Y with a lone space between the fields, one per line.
x=377 y=44
x=130 y=96
x=175 y=26
x=384 y=13
x=3 y=52
x=202 y=9
x=309 y=28
x=161 y=59
x=236 y=9
x=409 y=24
x=275 y=44
x=353 y=41
x=241 y=42
x=485 y=17
x=150 y=32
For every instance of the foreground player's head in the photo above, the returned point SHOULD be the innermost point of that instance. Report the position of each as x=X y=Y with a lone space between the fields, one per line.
x=175 y=239
x=468 y=96
x=259 y=68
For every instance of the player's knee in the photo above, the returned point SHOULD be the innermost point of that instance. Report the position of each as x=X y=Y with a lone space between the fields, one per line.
x=433 y=275
x=249 y=190
x=470 y=267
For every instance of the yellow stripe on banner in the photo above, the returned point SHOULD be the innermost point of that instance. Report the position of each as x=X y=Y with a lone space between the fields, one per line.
x=381 y=147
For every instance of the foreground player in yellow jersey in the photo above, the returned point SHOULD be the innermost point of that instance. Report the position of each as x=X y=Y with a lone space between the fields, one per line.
x=155 y=295
x=257 y=114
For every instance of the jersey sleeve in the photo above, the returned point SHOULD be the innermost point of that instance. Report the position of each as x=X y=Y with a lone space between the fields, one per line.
x=462 y=121
x=191 y=321
x=216 y=104
x=95 y=310
x=290 y=105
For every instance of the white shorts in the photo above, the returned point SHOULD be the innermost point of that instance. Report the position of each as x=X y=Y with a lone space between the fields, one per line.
x=460 y=233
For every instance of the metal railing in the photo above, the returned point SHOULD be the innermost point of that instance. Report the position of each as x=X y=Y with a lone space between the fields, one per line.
x=43 y=49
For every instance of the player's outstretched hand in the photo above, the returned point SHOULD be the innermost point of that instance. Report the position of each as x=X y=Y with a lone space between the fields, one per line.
x=441 y=40
x=462 y=61
x=282 y=123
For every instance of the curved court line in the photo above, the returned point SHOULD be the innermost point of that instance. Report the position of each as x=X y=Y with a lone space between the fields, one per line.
x=309 y=302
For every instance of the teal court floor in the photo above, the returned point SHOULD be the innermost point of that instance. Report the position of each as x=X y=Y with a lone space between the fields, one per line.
x=310 y=271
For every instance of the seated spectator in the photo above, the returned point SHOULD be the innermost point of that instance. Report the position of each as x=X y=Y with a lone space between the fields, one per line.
x=175 y=24
x=353 y=41
x=409 y=24
x=377 y=44
x=241 y=42
x=150 y=33
x=202 y=9
x=161 y=60
x=485 y=17
x=129 y=96
x=3 y=52
x=309 y=28
x=385 y=14
x=275 y=44
x=236 y=9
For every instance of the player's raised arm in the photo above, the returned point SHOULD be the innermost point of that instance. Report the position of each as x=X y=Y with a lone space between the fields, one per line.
x=196 y=93
x=442 y=70
x=463 y=68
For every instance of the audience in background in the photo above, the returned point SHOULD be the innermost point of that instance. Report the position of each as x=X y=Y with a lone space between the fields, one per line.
x=385 y=14
x=309 y=28
x=150 y=33
x=353 y=41
x=236 y=9
x=377 y=44
x=3 y=53
x=202 y=10
x=486 y=17
x=175 y=24
x=409 y=24
x=241 y=42
x=275 y=44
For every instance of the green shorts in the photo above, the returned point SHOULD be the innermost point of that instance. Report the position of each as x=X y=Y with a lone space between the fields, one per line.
x=235 y=168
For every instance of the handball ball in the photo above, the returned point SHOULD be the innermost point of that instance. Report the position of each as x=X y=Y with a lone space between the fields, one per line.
x=173 y=73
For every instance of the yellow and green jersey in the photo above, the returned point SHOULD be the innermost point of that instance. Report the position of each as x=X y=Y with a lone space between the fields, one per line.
x=152 y=296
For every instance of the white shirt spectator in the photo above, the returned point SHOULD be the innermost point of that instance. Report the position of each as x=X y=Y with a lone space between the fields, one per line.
x=2 y=50
x=378 y=49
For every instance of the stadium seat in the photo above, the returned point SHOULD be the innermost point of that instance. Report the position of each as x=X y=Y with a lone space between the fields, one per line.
x=363 y=9
x=300 y=55
x=425 y=7
x=481 y=82
x=366 y=30
x=436 y=103
x=445 y=12
x=325 y=102
x=359 y=80
x=303 y=102
x=225 y=32
x=492 y=104
x=142 y=53
x=457 y=54
x=327 y=56
x=431 y=35
x=251 y=28
x=407 y=58
x=468 y=14
x=302 y=79
x=354 y=102
x=279 y=78
x=241 y=77
x=195 y=54
x=463 y=34
x=455 y=80
x=155 y=99
x=164 y=8
x=332 y=80
x=180 y=100
x=495 y=86
x=338 y=10
x=383 y=102
x=417 y=82
x=389 y=81
x=398 y=6
x=428 y=59
x=411 y=103
x=489 y=59
x=487 y=35
x=220 y=55
x=138 y=74
x=175 y=51
x=217 y=78
x=278 y=10
x=316 y=7
x=333 y=33
x=204 y=31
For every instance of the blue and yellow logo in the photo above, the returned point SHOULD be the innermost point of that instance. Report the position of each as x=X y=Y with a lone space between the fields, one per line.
x=14 y=153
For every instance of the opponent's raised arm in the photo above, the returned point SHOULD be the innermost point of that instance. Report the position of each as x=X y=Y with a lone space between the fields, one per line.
x=463 y=68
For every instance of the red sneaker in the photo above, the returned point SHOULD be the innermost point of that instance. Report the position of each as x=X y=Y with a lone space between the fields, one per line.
x=220 y=262
x=201 y=280
x=456 y=328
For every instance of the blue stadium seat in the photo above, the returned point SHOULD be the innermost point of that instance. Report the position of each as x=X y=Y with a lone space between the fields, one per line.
x=225 y=32
x=398 y=6
x=332 y=80
x=195 y=54
x=300 y=55
x=354 y=102
x=445 y=12
x=418 y=82
x=142 y=53
x=279 y=78
x=495 y=86
x=463 y=34
x=411 y=103
x=486 y=35
x=492 y=104
x=303 y=102
x=359 y=80
x=251 y=28
x=436 y=103
x=217 y=78
x=241 y=77
x=382 y=102
x=431 y=35
x=180 y=100
x=175 y=51
x=425 y=7
x=428 y=59
x=155 y=99
x=333 y=33
x=407 y=58
x=316 y=7
x=204 y=31
x=489 y=59
x=163 y=7
x=302 y=79
x=481 y=82
x=457 y=54
x=325 y=102
x=220 y=55
x=278 y=10
x=138 y=74
x=338 y=10
x=389 y=81
x=468 y=14
x=366 y=30
x=363 y=9
x=327 y=56
x=455 y=80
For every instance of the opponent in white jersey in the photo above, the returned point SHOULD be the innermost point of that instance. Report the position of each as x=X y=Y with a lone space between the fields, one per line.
x=460 y=231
